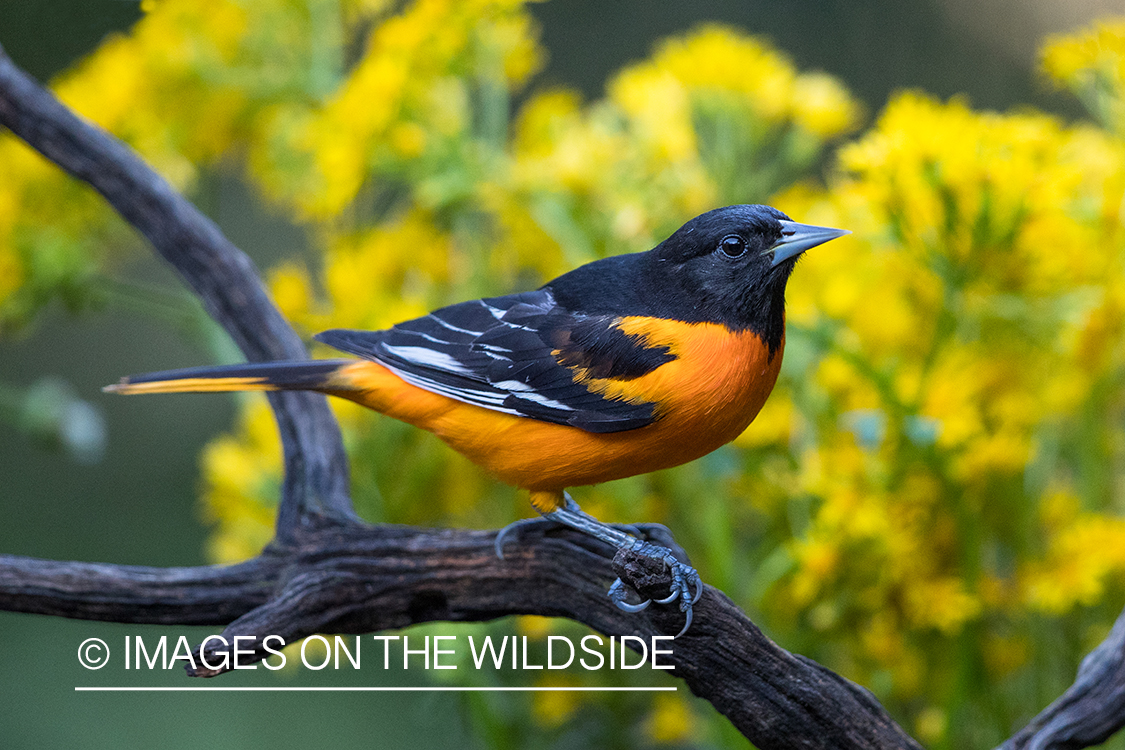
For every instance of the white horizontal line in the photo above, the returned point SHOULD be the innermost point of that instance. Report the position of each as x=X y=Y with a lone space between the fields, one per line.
x=405 y=689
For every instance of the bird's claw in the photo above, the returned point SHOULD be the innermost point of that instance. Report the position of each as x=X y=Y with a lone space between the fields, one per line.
x=503 y=534
x=617 y=593
x=687 y=623
x=686 y=586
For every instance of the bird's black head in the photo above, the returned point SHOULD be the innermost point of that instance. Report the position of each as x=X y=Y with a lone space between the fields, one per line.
x=727 y=266
x=730 y=266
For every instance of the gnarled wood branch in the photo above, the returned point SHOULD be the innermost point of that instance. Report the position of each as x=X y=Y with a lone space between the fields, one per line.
x=327 y=572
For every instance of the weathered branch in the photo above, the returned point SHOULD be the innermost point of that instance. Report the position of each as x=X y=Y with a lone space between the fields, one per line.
x=327 y=572
x=1091 y=710
x=345 y=578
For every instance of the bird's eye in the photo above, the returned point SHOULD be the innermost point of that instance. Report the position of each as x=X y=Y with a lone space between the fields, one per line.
x=732 y=246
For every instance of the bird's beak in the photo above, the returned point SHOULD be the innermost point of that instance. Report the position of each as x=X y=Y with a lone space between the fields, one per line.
x=797 y=238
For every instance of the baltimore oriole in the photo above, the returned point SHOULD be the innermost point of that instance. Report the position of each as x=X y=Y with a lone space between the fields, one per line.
x=623 y=366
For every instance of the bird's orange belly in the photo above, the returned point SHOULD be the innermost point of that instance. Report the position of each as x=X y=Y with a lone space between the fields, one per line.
x=705 y=398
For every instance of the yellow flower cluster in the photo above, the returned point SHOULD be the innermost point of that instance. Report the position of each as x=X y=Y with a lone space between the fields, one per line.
x=235 y=466
x=52 y=235
x=1092 y=65
x=713 y=117
x=959 y=367
x=431 y=82
x=1084 y=555
x=717 y=61
x=155 y=76
x=191 y=82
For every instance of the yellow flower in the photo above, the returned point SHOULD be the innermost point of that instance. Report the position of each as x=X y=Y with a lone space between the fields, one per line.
x=536 y=628
x=408 y=92
x=1092 y=64
x=378 y=277
x=658 y=104
x=11 y=269
x=1082 y=556
x=716 y=57
x=243 y=478
x=817 y=560
x=773 y=425
x=671 y=720
x=408 y=139
x=291 y=290
x=931 y=724
x=552 y=708
x=822 y=106
x=941 y=603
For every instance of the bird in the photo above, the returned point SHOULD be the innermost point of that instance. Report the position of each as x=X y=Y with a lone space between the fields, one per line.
x=623 y=366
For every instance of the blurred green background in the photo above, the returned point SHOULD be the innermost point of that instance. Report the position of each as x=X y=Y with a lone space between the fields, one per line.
x=139 y=504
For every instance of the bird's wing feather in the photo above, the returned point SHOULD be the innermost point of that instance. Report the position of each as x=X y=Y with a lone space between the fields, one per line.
x=520 y=354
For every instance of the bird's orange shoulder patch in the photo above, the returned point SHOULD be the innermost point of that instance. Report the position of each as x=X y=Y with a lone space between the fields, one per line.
x=710 y=367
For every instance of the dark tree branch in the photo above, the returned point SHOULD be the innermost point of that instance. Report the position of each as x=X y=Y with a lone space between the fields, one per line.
x=1091 y=710
x=345 y=578
x=130 y=593
x=327 y=572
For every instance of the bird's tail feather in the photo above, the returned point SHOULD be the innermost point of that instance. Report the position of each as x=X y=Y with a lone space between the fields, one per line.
x=312 y=375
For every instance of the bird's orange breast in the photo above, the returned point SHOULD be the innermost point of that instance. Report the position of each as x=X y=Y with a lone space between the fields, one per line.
x=704 y=398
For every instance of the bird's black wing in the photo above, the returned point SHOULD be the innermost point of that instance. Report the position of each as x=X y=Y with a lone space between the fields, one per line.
x=519 y=354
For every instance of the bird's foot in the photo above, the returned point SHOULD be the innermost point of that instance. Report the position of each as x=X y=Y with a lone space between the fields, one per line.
x=686 y=585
